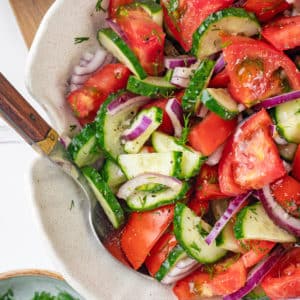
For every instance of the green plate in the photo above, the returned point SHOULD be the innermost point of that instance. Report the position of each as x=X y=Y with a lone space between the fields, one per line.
x=25 y=284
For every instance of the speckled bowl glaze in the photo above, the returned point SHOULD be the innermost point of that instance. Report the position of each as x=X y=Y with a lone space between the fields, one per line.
x=80 y=258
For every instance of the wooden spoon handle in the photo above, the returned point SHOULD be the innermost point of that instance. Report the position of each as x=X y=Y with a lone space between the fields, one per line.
x=20 y=115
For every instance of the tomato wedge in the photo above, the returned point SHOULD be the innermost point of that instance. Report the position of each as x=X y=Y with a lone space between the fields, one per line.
x=256 y=251
x=255 y=70
x=283 y=281
x=226 y=277
x=142 y=231
x=284 y=33
x=207 y=184
x=114 y=5
x=265 y=10
x=296 y=164
x=221 y=80
x=201 y=137
x=286 y=191
x=255 y=159
x=145 y=37
x=183 y=17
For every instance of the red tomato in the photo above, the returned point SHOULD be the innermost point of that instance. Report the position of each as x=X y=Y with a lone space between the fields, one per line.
x=265 y=10
x=254 y=70
x=256 y=251
x=145 y=37
x=199 y=206
x=227 y=277
x=142 y=231
x=286 y=191
x=160 y=252
x=283 y=33
x=221 y=80
x=255 y=159
x=283 y=281
x=207 y=184
x=114 y=5
x=183 y=19
x=84 y=101
x=210 y=133
x=296 y=164
x=226 y=181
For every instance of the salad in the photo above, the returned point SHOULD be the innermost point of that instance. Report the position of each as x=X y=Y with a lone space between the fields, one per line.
x=190 y=114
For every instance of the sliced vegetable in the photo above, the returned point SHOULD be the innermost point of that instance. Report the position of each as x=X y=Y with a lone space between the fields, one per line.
x=175 y=112
x=288 y=151
x=254 y=223
x=104 y=195
x=142 y=231
x=220 y=65
x=171 y=191
x=284 y=33
x=191 y=231
x=179 y=61
x=220 y=102
x=207 y=40
x=232 y=209
x=199 y=81
x=282 y=282
x=277 y=213
x=296 y=164
x=287 y=117
x=145 y=123
x=150 y=86
x=167 y=163
x=257 y=275
x=220 y=80
x=83 y=148
x=115 y=4
x=200 y=136
x=114 y=44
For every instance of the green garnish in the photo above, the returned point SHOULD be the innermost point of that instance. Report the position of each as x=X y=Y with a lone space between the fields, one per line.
x=99 y=6
x=185 y=131
x=79 y=40
x=9 y=295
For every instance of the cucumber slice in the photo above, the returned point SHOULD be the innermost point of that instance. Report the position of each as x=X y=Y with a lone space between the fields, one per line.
x=176 y=266
x=151 y=86
x=84 y=149
x=161 y=163
x=220 y=102
x=113 y=175
x=287 y=152
x=111 y=127
x=199 y=81
x=104 y=195
x=153 y=9
x=154 y=114
x=253 y=223
x=190 y=232
x=207 y=39
x=191 y=159
x=115 y=45
x=139 y=200
x=287 y=117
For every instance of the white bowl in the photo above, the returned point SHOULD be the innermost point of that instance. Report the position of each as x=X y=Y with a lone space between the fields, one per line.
x=80 y=258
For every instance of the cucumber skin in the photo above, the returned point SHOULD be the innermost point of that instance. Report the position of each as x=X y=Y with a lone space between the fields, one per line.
x=215 y=17
x=103 y=187
x=136 y=86
x=169 y=262
x=209 y=102
x=137 y=68
x=199 y=81
x=80 y=140
x=238 y=226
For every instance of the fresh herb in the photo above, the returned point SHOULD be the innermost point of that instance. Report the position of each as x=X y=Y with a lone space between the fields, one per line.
x=79 y=40
x=73 y=127
x=185 y=130
x=9 y=295
x=99 y=6
x=48 y=296
x=210 y=270
x=72 y=205
x=173 y=5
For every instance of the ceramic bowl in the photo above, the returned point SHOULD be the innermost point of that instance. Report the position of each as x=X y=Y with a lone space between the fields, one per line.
x=79 y=256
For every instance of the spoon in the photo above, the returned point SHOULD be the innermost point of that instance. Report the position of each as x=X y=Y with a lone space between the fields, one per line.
x=22 y=117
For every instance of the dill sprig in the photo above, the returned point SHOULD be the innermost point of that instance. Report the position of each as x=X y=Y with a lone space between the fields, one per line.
x=79 y=40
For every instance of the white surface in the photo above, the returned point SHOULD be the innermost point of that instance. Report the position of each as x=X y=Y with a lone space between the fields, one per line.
x=20 y=240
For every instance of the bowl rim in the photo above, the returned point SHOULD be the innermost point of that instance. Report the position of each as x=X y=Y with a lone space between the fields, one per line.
x=31 y=273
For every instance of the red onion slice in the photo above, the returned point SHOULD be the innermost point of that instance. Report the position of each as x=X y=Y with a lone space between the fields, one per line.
x=124 y=101
x=147 y=178
x=117 y=29
x=276 y=100
x=277 y=213
x=257 y=274
x=180 y=82
x=179 y=61
x=175 y=113
x=214 y=158
x=203 y=111
x=133 y=133
x=220 y=65
x=233 y=207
